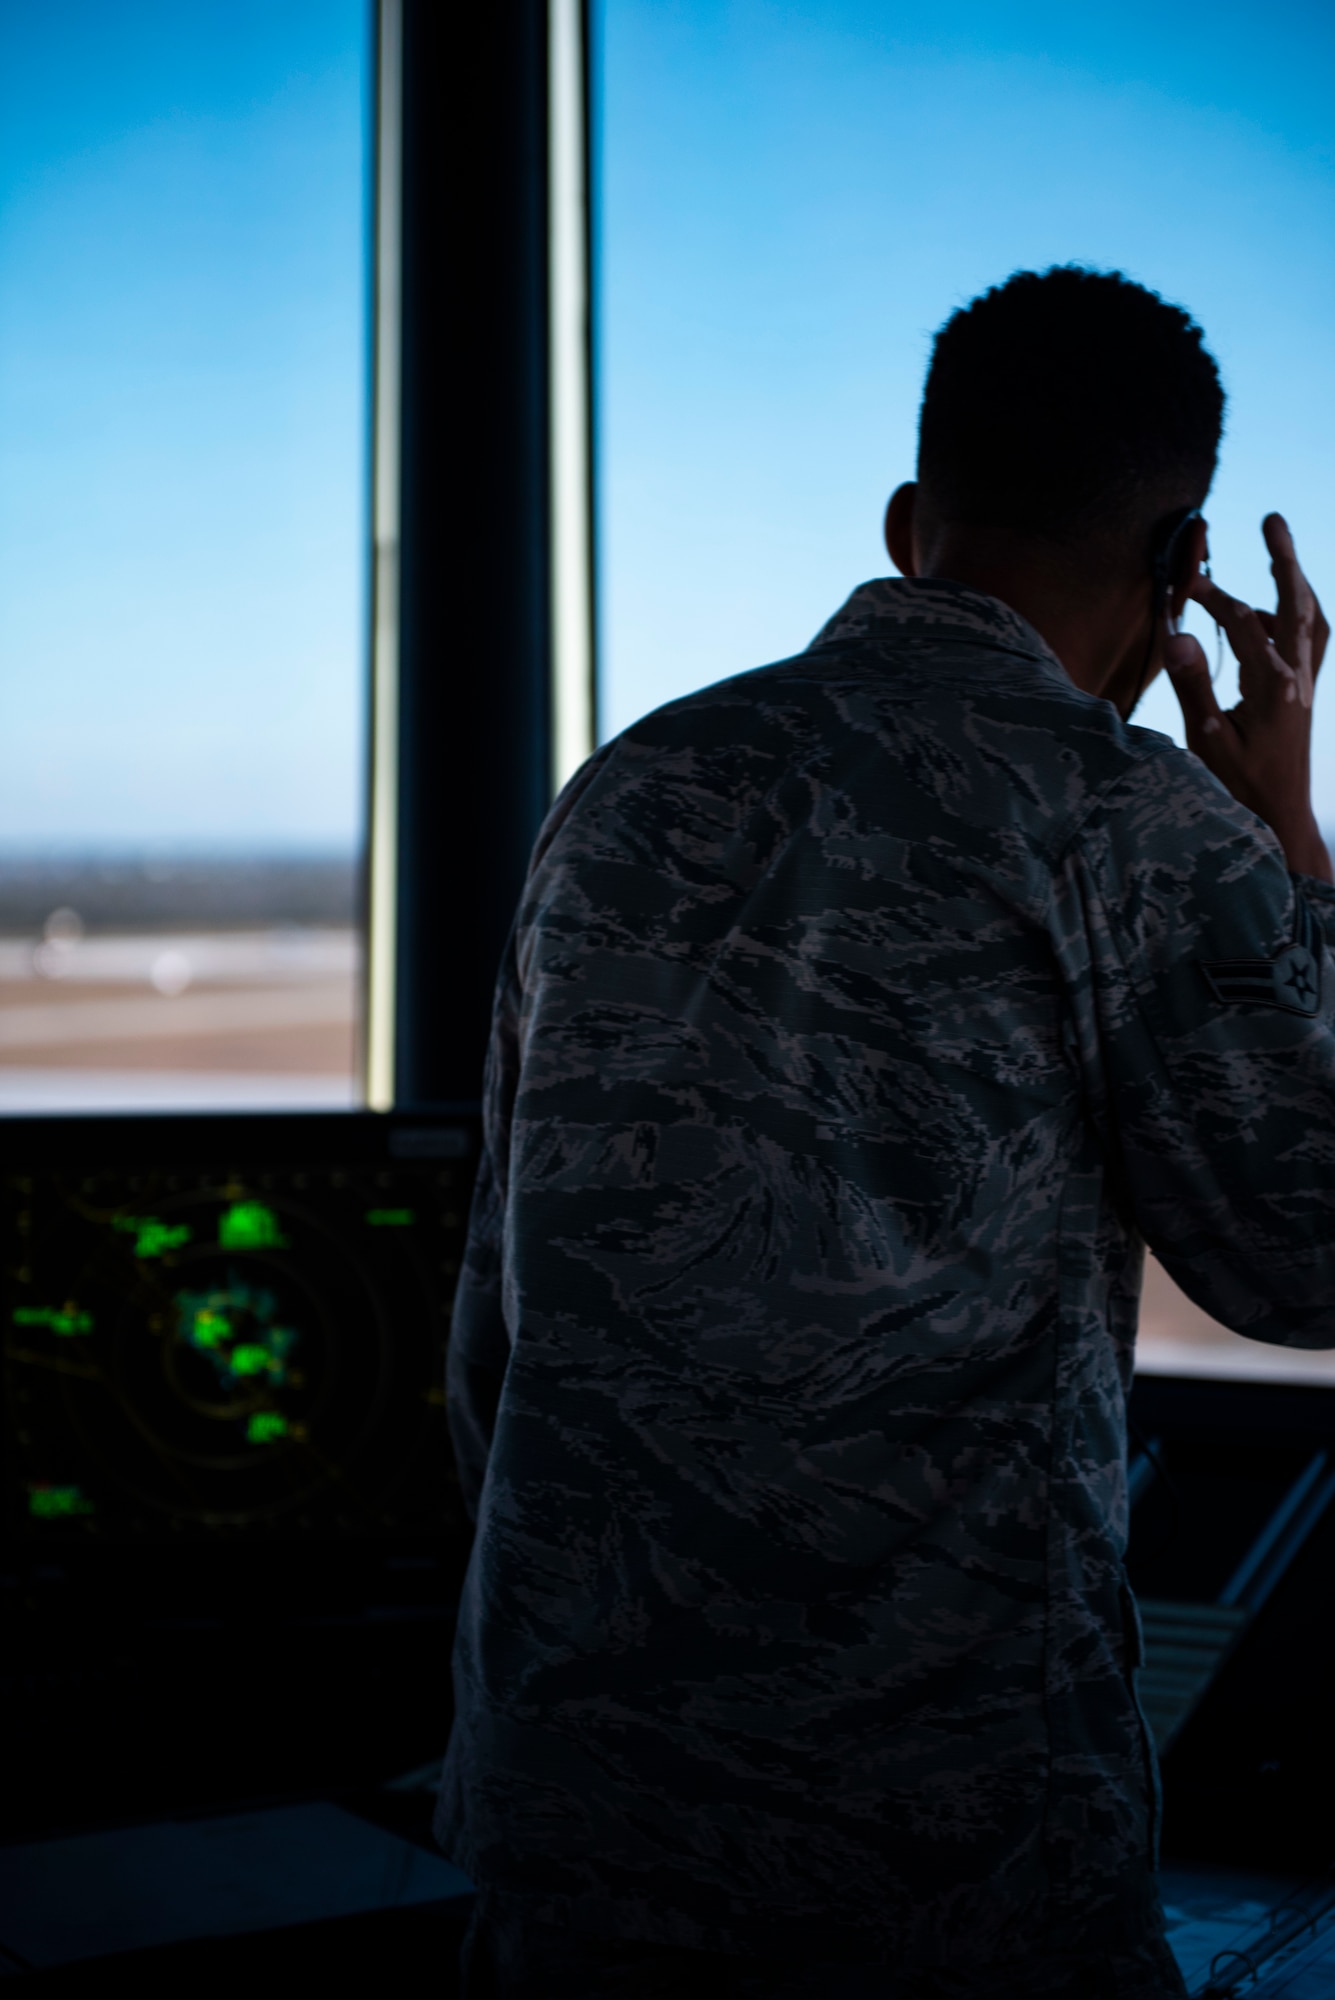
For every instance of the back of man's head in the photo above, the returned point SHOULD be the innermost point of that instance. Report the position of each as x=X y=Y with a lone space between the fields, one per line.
x=1070 y=405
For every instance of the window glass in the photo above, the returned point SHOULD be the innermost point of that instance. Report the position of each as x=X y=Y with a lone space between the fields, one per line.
x=794 y=197
x=182 y=335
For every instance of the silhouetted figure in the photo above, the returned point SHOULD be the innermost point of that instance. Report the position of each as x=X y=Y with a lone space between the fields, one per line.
x=862 y=1016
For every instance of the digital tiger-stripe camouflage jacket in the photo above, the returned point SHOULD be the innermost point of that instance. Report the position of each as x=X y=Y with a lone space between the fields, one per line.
x=862 y=1016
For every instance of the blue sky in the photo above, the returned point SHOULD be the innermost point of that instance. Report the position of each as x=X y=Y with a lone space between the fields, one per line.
x=795 y=196
x=181 y=422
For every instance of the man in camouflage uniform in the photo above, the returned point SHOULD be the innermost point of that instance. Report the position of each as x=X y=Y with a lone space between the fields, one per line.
x=863 y=1017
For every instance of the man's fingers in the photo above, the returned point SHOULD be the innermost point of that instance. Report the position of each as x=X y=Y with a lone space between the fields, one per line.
x=1279 y=540
x=1284 y=564
x=1260 y=747
x=1246 y=632
x=1265 y=675
x=1189 y=671
x=1320 y=634
x=1269 y=623
x=1296 y=617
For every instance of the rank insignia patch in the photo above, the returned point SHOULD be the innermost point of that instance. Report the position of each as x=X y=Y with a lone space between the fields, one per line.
x=1291 y=981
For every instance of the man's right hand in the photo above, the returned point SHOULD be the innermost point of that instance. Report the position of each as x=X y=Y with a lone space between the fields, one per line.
x=1261 y=747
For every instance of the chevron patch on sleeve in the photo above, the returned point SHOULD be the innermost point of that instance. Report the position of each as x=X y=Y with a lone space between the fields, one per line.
x=1292 y=981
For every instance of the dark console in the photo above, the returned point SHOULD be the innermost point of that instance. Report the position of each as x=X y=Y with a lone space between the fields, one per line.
x=232 y=1535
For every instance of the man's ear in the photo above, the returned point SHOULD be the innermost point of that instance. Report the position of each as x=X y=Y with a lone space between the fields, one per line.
x=1192 y=558
x=899 y=527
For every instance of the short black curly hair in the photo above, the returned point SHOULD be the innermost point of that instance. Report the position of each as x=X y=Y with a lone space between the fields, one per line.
x=1064 y=403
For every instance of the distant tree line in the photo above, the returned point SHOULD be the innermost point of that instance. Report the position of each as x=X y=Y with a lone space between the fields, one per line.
x=157 y=892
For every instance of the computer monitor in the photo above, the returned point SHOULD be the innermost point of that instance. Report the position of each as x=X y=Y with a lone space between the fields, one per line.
x=230 y=1328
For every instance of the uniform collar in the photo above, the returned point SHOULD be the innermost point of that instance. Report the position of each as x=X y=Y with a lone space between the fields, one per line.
x=932 y=607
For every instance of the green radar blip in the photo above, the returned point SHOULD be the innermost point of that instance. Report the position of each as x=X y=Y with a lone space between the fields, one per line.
x=265 y=1427
x=66 y=1322
x=236 y=1325
x=391 y=1218
x=57 y=1503
x=250 y=1225
x=250 y=1358
x=151 y=1237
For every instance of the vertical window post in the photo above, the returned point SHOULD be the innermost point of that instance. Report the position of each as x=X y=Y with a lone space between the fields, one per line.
x=570 y=335
x=382 y=896
x=483 y=629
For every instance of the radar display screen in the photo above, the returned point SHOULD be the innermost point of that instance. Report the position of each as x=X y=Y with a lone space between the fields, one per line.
x=238 y=1347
